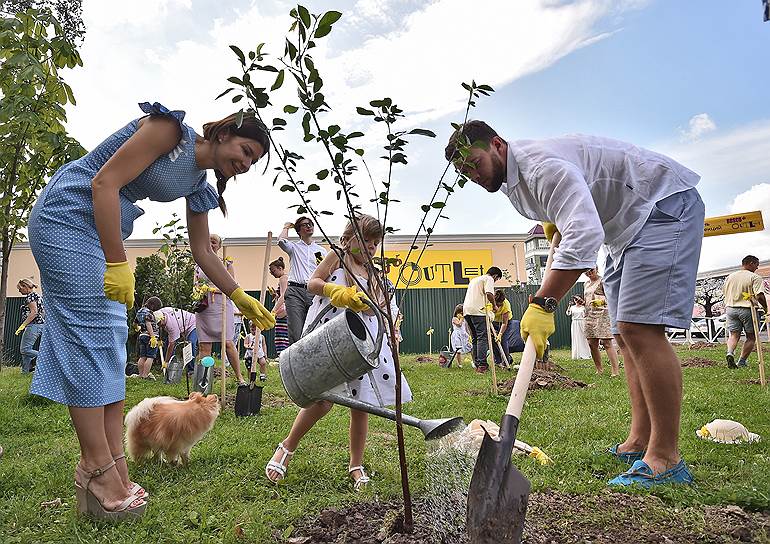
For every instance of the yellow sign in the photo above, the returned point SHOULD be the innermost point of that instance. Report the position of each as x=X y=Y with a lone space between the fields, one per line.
x=733 y=224
x=438 y=269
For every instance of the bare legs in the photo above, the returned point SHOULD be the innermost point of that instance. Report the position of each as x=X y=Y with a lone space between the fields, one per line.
x=204 y=350
x=654 y=377
x=308 y=417
x=612 y=354
x=100 y=433
x=144 y=364
x=748 y=345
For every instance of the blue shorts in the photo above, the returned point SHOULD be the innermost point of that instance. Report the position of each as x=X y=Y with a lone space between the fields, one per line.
x=144 y=347
x=653 y=281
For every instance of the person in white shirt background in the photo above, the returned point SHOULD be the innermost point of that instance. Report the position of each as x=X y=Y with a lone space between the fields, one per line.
x=643 y=206
x=304 y=255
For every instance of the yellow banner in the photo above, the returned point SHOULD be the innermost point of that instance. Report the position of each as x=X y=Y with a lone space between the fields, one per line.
x=438 y=269
x=733 y=224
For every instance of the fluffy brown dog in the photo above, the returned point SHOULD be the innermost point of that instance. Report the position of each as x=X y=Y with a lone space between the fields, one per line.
x=168 y=427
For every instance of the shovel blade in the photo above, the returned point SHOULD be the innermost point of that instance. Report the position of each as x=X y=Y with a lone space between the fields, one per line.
x=498 y=494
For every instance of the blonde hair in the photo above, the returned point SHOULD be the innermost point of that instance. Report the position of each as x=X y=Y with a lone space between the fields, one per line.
x=370 y=228
x=216 y=237
x=26 y=282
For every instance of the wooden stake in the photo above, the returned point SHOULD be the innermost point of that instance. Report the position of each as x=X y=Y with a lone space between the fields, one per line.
x=266 y=267
x=760 y=356
x=224 y=336
x=491 y=352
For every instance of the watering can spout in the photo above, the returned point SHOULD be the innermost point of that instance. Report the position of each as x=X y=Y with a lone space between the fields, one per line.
x=437 y=428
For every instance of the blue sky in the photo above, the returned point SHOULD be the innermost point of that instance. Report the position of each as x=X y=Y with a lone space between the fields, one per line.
x=688 y=79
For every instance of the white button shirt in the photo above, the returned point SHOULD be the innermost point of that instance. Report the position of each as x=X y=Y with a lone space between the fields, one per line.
x=595 y=190
x=304 y=258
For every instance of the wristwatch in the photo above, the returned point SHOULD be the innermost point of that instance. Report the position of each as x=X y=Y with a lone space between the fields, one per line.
x=549 y=304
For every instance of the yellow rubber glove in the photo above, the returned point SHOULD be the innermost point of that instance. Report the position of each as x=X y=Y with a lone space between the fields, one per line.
x=538 y=323
x=498 y=337
x=153 y=342
x=253 y=310
x=346 y=297
x=598 y=302
x=20 y=329
x=549 y=229
x=119 y=283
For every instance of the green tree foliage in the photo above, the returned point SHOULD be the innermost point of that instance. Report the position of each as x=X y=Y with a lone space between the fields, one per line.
x=33 y=140
x=69 y=13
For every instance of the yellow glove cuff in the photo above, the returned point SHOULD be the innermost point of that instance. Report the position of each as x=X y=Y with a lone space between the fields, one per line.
x=549 y=229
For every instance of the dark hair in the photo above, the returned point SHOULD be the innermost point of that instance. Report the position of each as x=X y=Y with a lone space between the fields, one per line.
x=749 y=259
x=499 y=295
x=299 y=220
x=458 y=310
x=278 y=262
x=494 y=271
x=470 y=133
x=251 y=128
x=153 y=303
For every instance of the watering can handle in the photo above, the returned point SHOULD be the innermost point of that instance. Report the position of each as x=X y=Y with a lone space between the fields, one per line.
x=374 y=355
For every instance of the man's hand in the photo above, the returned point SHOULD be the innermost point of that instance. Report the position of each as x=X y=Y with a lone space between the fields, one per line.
x=346 y=297
x=288 y=225
x=549 y=229
x=538 y=323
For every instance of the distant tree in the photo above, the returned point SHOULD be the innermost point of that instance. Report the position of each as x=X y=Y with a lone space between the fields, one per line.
x=33 y=140
x=708 y=293
x=69 y=13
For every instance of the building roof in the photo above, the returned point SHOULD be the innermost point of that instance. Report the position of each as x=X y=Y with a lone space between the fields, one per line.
x=537 y=230
x=763 y=270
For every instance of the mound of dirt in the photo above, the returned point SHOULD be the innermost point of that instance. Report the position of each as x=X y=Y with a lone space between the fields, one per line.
x=552 y=518
x=699 y=362
x=544 y=379
x=269 y=400
x=425 y=359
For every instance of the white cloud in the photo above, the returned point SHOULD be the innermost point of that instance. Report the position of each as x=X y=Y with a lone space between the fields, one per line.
x=698 y=126
x=721 y=251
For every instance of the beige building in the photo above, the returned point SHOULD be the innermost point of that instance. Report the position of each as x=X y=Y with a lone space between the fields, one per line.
x=449 y=262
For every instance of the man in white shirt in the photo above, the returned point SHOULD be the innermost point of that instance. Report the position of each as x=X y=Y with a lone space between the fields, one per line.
x=305 y=255
x=481 y=291
x=644 y=208
x=739 y=309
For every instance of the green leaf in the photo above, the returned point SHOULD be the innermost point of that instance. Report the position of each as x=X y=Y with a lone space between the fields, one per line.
x=322 y=174
x=277 y=121
x=223 y=93
x=355 y=135
x=278 y=81
x=313 y=187
x=438 y=205
x=329 y=18
x=239 y=119
x=287 y=187
x=360 y=152
x=322 y=31
x=304 y=15
x=290 y=109
x=423 y=132
x=425 y=208
x=237 y=51
x=364 y=111
x=235 y=80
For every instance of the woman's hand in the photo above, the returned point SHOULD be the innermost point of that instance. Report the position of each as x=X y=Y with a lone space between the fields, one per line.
x=253 y=310
x=346 y=297
x=119 y=283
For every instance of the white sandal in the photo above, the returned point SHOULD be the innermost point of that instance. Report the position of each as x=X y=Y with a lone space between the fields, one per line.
x=360 y=482
x=280 y=467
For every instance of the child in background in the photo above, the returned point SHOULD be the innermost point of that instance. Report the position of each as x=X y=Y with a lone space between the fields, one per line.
x=148 y=336
x=249 y=345
x=332 y=283
x=460 y=338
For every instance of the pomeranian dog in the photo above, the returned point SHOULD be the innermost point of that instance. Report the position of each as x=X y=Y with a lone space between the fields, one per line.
x=169 y=428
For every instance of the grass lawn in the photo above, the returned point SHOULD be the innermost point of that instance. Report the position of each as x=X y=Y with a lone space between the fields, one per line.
x=223 y=495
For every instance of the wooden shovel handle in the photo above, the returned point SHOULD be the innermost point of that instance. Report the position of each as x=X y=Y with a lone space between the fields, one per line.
x=528 y=358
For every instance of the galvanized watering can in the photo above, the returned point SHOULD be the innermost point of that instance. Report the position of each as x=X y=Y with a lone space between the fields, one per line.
x=337 y=352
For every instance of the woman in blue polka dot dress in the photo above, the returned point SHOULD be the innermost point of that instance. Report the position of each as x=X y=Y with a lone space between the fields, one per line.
x=76 y=230
x=330 y=283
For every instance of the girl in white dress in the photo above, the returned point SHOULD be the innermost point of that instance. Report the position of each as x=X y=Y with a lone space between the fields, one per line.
x=460 y=339
x=331 y=283
x=577 y=310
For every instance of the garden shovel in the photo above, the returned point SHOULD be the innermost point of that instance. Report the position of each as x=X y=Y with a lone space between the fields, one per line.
x=498 y=494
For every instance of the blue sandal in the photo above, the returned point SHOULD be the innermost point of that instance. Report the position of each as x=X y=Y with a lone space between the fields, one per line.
x=641 y=474
x=629 y=457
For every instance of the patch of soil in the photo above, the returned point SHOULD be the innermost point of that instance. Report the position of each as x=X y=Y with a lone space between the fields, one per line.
x=754 y=381
x=544 y=379
x=425 y=359
x=703 y=345
x=552 y=518
x=699 y=362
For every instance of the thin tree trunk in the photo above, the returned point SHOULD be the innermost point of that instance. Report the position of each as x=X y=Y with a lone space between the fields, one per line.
x=7 y=246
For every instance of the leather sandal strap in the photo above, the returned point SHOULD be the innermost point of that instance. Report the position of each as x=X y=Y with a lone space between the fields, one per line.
x=88 y=476
x=124 y=505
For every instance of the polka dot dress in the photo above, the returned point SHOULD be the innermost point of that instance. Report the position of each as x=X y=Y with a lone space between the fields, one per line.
x=384 y=378
x=83 y=350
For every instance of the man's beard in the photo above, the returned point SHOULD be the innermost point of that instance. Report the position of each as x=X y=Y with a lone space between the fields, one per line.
x=498 y=175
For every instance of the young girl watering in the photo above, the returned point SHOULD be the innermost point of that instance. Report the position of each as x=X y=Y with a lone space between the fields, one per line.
x=331 y=283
